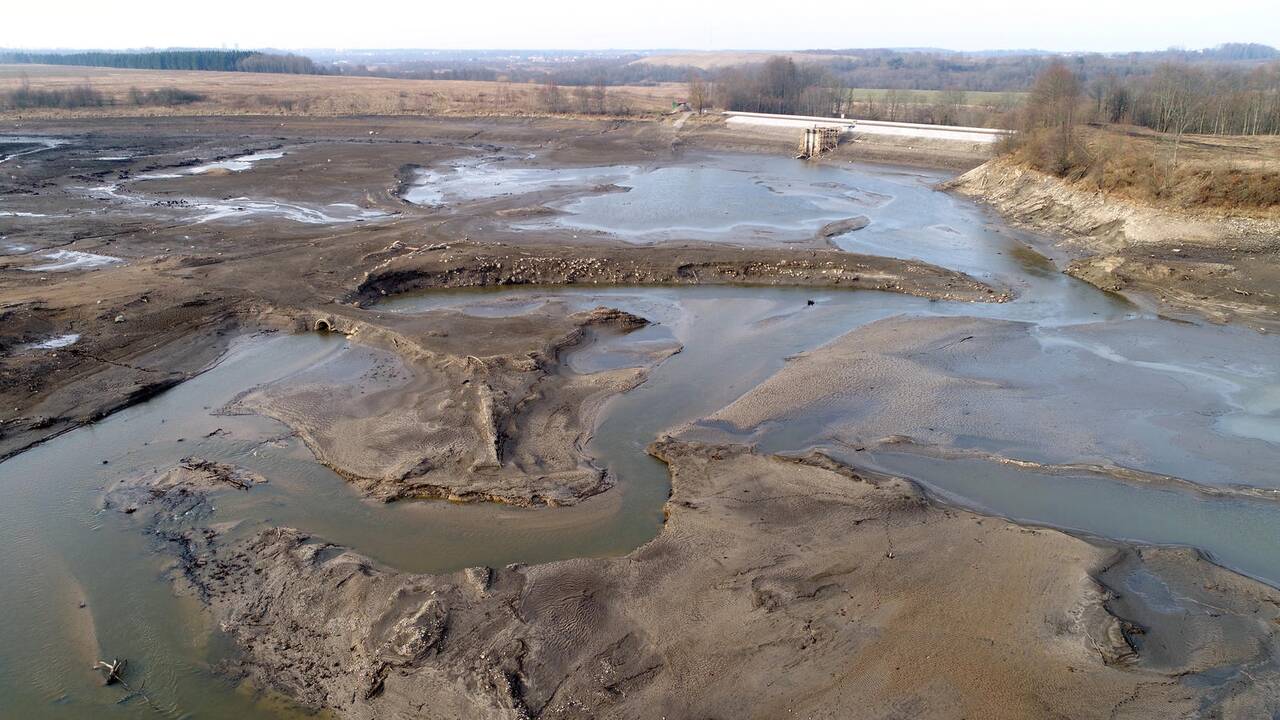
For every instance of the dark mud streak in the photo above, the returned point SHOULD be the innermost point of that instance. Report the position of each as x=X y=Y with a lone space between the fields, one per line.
x=690 y=266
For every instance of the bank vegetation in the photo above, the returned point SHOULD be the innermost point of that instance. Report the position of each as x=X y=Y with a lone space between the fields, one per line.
x=85 y=95
x=1174 y=139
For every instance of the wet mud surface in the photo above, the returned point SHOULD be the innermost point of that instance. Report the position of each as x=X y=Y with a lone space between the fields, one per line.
x=700 y=416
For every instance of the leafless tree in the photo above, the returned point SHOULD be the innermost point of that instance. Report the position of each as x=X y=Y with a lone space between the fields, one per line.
x=697 y=92
x=1053 y=105
x=599 y=96
x=552 y=98
x=1180 y=98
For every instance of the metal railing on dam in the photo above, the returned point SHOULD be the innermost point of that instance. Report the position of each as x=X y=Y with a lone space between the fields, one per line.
x=959 y=133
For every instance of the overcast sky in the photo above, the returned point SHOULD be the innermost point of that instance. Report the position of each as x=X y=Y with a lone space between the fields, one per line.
x=1103 y=25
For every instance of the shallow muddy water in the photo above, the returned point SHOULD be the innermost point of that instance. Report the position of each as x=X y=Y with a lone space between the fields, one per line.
x=16 y=146
x=481 y=178
x=61 y=549
x=143 y=194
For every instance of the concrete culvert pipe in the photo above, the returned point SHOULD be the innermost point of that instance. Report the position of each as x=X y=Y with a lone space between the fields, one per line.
x=324 y=326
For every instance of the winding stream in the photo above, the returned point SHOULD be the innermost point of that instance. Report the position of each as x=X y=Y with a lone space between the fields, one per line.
x=59 y=549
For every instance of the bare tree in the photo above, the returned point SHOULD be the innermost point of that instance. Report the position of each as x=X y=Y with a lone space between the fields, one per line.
x=697 y=92
x=552 y=98
x=1054 y=101
x=582 y=100
x=892 y=104
x=1181 y=95
x=950 y=105
x=598 y=96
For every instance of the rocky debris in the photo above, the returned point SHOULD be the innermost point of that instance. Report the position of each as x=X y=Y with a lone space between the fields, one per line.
x=479 y=578
x=478 y=264
x=184 y=484
x=620 y=319
x=213 y=473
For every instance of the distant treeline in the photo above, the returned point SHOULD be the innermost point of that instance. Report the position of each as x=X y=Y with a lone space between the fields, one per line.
x=940 y=70
x=222 y=60
x=1012 y=71
x=582 y=73
x=1179 y=97
x=781 y=85
x=1172 y=97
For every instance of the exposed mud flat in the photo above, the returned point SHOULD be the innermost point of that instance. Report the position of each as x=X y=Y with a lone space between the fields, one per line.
x=479 y=409
x=183 y=269
x=998 y=387
x=777 y=563
x=828 y=584
x=1080 y=427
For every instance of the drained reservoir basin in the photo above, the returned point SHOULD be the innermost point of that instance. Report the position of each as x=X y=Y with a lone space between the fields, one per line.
x=1066 y=407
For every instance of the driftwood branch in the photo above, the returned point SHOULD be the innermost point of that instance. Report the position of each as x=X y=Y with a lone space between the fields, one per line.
x=113 y=673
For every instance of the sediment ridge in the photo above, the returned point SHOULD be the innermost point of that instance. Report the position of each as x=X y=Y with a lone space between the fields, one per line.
x=470 y=264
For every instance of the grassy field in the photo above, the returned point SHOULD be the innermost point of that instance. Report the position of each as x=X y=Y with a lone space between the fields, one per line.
x=323 y=95
x=1243 y=151
x=319 y=95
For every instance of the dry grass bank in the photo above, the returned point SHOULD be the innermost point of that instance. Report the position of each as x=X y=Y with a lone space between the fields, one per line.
x=227 y=93
x=1236 y=175
x=1199 y=237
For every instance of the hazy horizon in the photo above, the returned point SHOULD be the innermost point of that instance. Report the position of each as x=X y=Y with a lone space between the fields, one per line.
x=606 y=51
x=980 y=25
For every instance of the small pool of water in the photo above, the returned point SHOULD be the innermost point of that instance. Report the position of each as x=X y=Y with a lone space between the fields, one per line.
x=740 y=202
x=237 y=164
